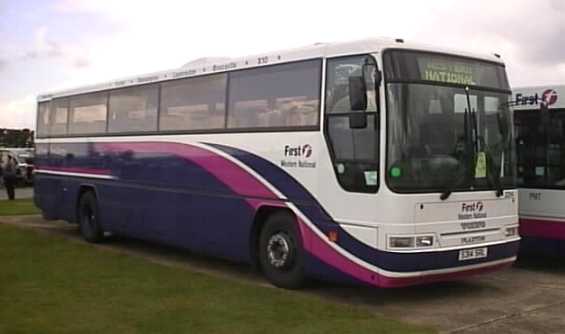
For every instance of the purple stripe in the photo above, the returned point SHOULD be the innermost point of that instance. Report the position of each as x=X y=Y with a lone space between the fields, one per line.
x=322 y=250
x=245 y=184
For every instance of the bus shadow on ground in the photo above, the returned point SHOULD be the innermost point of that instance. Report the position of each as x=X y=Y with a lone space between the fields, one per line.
x=541 y=263
x=338 y=292
x=357 y=294
x=182 y=258
x=400 y=296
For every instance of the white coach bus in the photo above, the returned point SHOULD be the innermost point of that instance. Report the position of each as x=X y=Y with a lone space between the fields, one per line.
x=540 y=135
x=375 y=162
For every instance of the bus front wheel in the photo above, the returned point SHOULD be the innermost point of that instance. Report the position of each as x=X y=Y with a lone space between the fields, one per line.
x=280 y=252
x=90 y=228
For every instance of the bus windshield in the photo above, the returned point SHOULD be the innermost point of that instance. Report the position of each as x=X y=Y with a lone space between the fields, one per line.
x=448 y=124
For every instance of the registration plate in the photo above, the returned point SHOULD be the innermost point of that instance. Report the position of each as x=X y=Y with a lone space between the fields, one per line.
x=473 y=253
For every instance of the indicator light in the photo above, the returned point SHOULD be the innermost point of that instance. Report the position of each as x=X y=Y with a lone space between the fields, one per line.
x=332 y=236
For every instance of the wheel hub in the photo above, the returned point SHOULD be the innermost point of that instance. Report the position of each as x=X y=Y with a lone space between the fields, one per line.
x=279 y=250
x=88 y=217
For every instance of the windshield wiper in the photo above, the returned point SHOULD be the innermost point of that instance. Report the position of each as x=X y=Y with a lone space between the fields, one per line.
x=492 y=175
x=503 y=131
x=471 y=147
x=495 y=175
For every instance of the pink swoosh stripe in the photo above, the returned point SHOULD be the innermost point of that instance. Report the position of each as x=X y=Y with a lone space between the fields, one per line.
x=226 y=171
x=542 y=228
x=244 y=183
x=320 y=248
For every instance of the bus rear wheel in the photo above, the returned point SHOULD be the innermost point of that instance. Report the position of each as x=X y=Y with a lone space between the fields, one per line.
x=88 y=217
x=281 y=253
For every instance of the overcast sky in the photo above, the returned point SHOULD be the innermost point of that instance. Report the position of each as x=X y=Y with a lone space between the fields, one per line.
x=49 y=45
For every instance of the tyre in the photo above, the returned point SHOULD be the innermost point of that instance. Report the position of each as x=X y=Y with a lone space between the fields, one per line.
x=281 y=254
x=88 y=218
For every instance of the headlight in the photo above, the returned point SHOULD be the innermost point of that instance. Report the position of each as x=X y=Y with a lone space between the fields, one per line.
x=401 y=242
x=406 y=242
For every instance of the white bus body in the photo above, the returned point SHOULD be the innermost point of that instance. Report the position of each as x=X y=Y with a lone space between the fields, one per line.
x=360 y=217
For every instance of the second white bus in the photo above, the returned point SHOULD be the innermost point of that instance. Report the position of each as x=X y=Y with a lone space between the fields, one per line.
x=540 y=136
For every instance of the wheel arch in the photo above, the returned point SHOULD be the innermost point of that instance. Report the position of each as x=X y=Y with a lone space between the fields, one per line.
x=82 y=189
x=261 y=216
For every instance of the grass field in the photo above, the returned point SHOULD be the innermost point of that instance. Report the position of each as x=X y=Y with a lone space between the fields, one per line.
x=49 y=284
x=18 y=207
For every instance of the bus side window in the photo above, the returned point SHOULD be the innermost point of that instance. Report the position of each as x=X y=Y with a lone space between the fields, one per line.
x=43 y=119
x=531 y=150
x=556 y=150
x=355 y=152
x=88 y=114
x=59 y=117
x=133 y=109
x=194 y=103
x=285 y=96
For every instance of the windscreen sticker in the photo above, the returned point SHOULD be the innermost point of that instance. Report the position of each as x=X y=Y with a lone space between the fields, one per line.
x=481 y=166
x=395 y=172
x=371 y=177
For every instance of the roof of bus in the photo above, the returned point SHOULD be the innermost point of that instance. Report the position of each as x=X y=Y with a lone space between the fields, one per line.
x=528 y=98
x=203 y=66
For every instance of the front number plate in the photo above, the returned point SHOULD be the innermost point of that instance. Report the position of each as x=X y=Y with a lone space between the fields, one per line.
x=474 y=253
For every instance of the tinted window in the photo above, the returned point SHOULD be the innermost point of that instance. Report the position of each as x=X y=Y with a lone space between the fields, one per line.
x=88 y=114
x=540 y=137
x=275 y=96
x=133 y=109
x=43 y=119
x=353 y=144
x=337 y=83
x=431 y=144
x=355 y=152
x=59 y=117
x=193 y=104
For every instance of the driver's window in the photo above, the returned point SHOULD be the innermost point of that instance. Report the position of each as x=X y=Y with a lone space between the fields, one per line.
x=337 y=86
x=355 y=152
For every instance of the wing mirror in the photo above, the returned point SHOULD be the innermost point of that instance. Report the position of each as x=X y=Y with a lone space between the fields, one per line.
x=357 y=93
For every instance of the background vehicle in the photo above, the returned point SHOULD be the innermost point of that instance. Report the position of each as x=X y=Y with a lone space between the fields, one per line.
x=374 y=161
x=24 y=162
x=540 y=136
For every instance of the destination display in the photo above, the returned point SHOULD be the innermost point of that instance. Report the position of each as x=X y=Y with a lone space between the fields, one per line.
x=450 y=72
x=409 y=66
